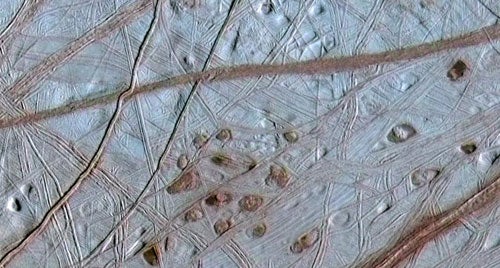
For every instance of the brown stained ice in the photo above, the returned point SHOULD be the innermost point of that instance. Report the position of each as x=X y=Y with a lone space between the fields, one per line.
x=397 y=60
x=222 y=225
x=291 y=136
x=278 y=175
x=250 y=203
x=468 y=147
x=188 y=181
x=457 y=70
x=221 y=159
x=193 y=215
x=259 y=230
x=224 y=135
x=151 y=255
x=219 y=199
x=305 y=241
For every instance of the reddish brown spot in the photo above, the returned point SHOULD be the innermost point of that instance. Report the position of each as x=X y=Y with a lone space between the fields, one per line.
x=219 y=199
x=259 y=230
x=278 y=176
x=457 y=70
x=251 y=202
x=151 y=255
x=188 y=181
x=224 y=135
x=194 y=214
x=305 y=241
x=221 y=159
x=468 y=148
x=291 y=136
x=221 y=226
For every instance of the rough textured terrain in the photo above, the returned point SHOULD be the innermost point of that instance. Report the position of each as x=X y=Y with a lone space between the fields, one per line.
x=241 y=133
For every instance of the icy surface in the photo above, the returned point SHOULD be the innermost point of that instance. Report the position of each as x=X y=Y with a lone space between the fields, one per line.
x=357 y=155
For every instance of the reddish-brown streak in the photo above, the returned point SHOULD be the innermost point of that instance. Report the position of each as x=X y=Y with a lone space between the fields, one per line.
x=428 y=230
x=431 y=227
x=321 y=66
